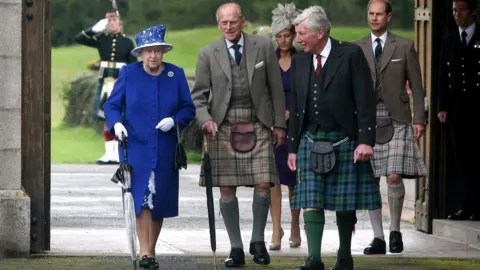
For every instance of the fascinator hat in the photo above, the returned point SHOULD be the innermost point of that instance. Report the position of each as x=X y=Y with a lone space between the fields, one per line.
x=153 y=36
x=283 y=17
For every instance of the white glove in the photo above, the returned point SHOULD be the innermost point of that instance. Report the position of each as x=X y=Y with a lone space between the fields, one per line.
x=100 y=26
x=166 y=124
x=120 y=131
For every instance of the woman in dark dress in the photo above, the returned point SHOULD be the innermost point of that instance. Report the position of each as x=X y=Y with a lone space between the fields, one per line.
x=284 y=33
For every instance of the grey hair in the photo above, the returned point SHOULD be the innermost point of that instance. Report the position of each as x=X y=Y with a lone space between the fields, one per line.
x=217 y=13
x=316 y=19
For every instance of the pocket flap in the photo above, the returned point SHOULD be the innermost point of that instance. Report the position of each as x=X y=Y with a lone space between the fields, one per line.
x=243 y=128
x=383 y=121
x=321 y=147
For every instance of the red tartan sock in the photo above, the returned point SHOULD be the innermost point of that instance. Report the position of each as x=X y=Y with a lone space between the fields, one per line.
x=107 y=136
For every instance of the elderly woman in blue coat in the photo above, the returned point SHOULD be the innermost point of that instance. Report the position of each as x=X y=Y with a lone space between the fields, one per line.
x=149 y=99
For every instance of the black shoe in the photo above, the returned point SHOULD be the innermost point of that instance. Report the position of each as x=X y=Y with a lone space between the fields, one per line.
x=236 y=258
x=260 y=253
x=149 y=263
x=460 y=215
x=475 y=217
x=396 y=242
x=311 y=264
x=377 y=246
x=343 y=263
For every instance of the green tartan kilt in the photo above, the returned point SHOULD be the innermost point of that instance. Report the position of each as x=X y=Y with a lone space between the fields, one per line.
x=347 y=187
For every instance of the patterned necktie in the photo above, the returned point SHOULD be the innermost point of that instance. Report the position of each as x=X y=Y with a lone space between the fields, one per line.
x=319 y=65
x=464 y=38
x=238 y=55
x=378 y=49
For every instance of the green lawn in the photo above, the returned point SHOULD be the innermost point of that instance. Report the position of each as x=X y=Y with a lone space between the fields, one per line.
x=80 y=145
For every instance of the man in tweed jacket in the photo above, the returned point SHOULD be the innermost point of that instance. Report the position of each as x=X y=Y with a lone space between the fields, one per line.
x=241 y=76
x=332 y=101
x=393 y=61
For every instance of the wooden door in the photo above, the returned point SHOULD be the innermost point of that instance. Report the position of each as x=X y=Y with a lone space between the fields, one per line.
x=423 y=44
x=36 y=81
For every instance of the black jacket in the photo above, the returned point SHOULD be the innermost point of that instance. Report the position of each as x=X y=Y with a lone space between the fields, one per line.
x=348 y=90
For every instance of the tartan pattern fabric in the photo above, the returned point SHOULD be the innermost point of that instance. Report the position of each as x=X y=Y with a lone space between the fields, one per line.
x=401 y=155
x=348 y=187
x=232 y=168
x=107 y=72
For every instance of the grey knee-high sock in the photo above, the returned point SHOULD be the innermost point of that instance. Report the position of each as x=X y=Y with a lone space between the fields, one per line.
x=260 y=208
x=396 y=195
x=377 y=223
x=231 y=218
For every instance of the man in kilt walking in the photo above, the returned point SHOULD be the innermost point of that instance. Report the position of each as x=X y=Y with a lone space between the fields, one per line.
x=393 y=62
x=331 y=135
x=239 y=97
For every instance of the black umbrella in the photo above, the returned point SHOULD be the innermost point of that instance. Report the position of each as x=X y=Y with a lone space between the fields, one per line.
x=123 y=177
x=207 y=170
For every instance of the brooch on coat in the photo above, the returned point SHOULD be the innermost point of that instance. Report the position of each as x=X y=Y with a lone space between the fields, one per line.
x=170 y=74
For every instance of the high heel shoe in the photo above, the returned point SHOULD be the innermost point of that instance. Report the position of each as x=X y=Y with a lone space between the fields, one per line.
x=279 y=245
x=296 y=242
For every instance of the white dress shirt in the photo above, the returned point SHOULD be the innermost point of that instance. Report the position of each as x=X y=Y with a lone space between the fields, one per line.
x=383 y=39
x=230 y=44
x=324 y=54
x=470 y=31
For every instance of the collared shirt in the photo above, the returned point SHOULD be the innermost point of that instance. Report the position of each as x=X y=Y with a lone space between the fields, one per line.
x=324 y=54
x=470 y=31
x=230 y=44
x=383 y=39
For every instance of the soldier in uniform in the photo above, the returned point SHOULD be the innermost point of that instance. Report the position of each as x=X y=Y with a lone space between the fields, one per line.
x=459 y=88
x=114 y=50
x=240 y=74
x=393 y=62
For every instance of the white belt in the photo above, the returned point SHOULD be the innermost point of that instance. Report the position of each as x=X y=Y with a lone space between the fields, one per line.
x=108 y=64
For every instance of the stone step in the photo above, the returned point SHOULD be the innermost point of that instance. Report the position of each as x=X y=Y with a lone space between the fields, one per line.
x=465 y=232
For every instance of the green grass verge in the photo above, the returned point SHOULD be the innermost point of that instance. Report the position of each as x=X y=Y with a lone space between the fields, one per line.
x=79 y=145
x=186 y=262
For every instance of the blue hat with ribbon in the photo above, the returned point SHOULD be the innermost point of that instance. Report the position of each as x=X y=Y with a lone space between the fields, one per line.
x=153 y=36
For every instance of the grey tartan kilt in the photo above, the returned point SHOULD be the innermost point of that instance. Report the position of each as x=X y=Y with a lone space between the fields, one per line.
x=401 y=155
x=348 y=187
x=232 y=168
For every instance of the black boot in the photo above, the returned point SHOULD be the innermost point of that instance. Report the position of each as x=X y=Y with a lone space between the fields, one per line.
x=343 y=263
x=311 y=264
x=260 y=253
x=236 y=258
x=377 y=246
x=396 y=242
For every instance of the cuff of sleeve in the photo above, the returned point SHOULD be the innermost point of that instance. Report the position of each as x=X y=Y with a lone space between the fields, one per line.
x=367 y=135
x=293 y=145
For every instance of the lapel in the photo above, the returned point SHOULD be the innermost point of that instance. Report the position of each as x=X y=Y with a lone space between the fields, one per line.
x=366 y=45
x=251 y=50
x=222 y=55
x=475 y=38
x=334 y=61
x=305 y=68
x=388 y=51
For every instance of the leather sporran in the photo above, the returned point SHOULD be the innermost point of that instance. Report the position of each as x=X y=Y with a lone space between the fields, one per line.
x=244 y=138
x=322 y=157
x=385 y=130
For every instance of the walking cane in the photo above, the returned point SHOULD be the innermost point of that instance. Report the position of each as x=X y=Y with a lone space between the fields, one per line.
x=207 y=168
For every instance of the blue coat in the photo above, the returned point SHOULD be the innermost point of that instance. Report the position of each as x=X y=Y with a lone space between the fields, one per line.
x=149 y=99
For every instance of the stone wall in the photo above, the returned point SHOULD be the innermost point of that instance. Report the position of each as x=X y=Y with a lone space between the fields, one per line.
x=14 y=203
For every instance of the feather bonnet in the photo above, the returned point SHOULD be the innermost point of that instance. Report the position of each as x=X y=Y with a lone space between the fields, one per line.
x=283 y=17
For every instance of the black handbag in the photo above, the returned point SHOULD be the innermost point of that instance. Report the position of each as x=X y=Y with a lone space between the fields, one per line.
x=180 y=155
